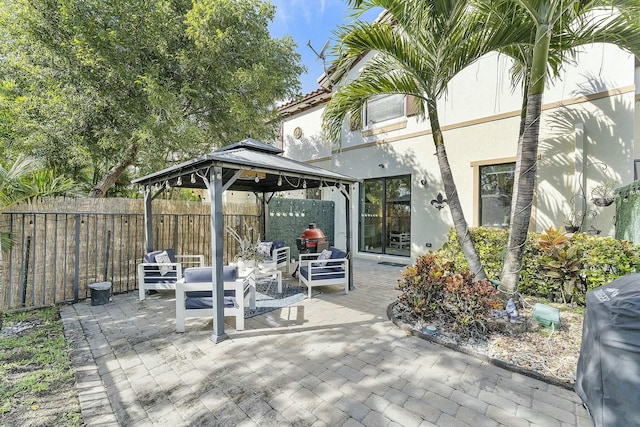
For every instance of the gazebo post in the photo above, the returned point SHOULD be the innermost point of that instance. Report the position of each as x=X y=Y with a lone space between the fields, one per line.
x=148 y=225
x=347 y=197
x=215 y=195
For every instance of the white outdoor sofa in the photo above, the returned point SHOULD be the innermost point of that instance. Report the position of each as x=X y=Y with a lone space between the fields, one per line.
x=194 y=294
x=154 y=275
x=332 y=271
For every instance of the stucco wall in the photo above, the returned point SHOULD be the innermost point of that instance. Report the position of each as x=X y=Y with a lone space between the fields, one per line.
x=312 y=144
x=589 y=114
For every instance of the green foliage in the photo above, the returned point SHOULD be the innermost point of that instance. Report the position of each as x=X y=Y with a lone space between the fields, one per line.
x=435 y=289
x=22 y=180
x=561 y=264
x=554 y=265
x=627 y=207
x=95 y=85
x=491 y=245
x=604 y=259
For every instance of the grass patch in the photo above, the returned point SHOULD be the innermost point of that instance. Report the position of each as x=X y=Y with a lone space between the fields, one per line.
x=36 y=376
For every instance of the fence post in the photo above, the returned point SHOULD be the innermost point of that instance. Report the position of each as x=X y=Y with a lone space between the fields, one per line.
x=76 y=266
x=175 y=234
x=106 y=256
x=25 y=280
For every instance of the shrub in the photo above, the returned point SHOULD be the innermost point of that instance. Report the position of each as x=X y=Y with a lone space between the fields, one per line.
x=585 y=263
x=491 y=244
x=605 y=258
x=561 y=264
x=433 y=289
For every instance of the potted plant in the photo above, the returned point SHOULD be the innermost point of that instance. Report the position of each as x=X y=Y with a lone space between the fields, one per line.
x=573 y=221
x=248 y=254
x=604 y=194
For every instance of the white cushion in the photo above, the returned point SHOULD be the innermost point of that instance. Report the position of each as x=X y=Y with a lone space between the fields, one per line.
x=264 y=248
x=163 y=258
x=324 y=255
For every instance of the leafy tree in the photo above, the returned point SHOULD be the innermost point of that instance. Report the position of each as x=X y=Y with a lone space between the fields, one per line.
x=108 y=85
x=418 y=51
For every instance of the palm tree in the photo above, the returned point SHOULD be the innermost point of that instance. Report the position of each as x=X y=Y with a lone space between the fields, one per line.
x=557 y=27
x=24 y=179
x=419 y=50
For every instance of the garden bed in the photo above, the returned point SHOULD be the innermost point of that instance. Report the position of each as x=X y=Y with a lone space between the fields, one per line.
x=526 y=347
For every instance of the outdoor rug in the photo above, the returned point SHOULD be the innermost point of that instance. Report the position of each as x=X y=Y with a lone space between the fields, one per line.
x=268 y=298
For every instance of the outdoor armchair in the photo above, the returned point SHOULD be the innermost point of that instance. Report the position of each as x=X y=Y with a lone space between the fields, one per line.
x=160 y=270
x=329 y=267
x=194 y=295
x=276 y=251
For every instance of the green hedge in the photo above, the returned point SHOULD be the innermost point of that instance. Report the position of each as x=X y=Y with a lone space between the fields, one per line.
x=602 y=259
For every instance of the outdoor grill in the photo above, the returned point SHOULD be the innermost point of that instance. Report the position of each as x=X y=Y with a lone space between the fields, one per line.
x=311 y=240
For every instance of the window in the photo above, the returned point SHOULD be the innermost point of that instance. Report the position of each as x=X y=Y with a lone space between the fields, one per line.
x=496 y=189
x=385 y=215
x=383 y=107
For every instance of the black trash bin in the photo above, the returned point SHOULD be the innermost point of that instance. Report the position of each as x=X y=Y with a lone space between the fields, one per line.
x=100 y=293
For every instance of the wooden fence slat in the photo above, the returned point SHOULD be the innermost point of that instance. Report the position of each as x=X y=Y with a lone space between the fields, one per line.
x=76 y=242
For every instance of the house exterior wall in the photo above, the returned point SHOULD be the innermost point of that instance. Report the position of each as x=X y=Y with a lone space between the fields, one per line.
x=311 y=144
x=586 y=135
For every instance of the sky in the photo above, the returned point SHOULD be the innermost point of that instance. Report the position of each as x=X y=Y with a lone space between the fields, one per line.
x=314 y=21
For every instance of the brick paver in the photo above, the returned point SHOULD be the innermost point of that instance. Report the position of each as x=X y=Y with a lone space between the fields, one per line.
x=334 y=360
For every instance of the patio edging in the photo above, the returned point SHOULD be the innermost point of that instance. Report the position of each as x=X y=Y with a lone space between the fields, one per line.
x=496 y=362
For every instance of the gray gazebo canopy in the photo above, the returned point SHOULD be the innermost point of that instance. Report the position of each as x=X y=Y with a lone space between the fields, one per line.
x=248 y=165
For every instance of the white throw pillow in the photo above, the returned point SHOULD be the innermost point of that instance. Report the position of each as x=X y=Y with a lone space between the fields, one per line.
x=324 y=256
x=264 y=248
x=163 y=258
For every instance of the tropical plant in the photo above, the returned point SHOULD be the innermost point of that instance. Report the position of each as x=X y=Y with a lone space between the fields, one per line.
x=419 y=49
x=601 y=259
x=24 y=180
x=556 y=29
x=561 y=263
x=436 y=290
x=604 y=194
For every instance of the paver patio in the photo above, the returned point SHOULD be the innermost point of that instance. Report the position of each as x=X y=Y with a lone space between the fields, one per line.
x=333 y=360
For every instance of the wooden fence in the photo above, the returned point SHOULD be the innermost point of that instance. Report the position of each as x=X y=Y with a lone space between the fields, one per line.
x=61 y=246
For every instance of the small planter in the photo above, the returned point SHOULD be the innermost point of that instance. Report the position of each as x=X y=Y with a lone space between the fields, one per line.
x=603 y=202
x=571 y=228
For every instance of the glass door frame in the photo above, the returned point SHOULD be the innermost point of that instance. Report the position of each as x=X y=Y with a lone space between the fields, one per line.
x=384 y=241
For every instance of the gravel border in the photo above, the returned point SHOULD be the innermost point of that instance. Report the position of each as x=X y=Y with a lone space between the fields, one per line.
x=496 y=362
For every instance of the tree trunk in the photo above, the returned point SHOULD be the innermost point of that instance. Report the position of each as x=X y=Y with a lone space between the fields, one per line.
x=101 y=188
x=526 y=167
x=457 y=214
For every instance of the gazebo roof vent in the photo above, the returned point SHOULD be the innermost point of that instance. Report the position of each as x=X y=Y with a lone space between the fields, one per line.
x=251 y=144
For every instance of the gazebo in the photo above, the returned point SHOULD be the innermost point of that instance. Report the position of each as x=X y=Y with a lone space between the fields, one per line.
x=248 y=165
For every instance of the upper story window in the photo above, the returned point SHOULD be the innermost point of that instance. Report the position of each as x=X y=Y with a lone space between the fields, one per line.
x=383 y=107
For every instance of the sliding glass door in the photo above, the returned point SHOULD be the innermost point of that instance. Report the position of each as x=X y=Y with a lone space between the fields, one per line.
x=385 y=216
